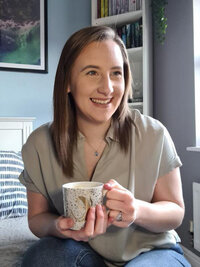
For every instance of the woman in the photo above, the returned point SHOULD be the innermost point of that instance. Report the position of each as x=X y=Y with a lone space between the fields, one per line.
x=94 y=136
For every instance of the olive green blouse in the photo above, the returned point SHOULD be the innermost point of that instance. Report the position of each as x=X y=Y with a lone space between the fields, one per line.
x=151 y=155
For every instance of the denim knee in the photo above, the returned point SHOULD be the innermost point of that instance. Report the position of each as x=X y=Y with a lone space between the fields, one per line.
x=51 y=251
x=172 y=257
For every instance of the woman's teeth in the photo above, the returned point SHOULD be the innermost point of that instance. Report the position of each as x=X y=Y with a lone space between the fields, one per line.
x=100 y=101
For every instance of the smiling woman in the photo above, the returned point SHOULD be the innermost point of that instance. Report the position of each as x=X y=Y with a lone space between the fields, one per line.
x=95 y=137
x=104 y=73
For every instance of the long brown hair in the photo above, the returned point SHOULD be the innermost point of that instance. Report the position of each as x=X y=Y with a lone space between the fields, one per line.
x=64 y=127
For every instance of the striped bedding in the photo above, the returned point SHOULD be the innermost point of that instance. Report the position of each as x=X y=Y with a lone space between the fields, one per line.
x=15 y=236
x=13 y=201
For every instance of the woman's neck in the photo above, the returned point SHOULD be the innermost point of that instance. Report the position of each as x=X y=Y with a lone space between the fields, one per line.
x=92 y=131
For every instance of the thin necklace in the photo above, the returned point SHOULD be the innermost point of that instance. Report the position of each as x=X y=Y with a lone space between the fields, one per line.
x=96 y=152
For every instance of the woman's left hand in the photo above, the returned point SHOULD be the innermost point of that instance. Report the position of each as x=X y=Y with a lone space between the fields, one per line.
x=121 y=203
x=96 y=224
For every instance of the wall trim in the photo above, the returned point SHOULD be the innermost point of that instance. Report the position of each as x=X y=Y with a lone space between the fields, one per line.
x=191 y=257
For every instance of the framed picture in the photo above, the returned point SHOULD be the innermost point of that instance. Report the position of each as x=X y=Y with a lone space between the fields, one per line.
x=23 y=35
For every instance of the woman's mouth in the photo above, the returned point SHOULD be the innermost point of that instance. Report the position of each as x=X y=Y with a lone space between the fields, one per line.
x=101 y=101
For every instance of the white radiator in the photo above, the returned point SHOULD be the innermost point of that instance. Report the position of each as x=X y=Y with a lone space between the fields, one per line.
x=196 y=215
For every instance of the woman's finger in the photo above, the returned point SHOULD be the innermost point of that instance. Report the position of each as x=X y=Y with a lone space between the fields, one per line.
x=90 y=222
x=113 y=184
x=115 y=205
x=119 y=216
x=120 y=200
x=115 y=214
x=101 y=220
x=88 y=231
x=118 y=194
x=121 y=219
x=63 y=223
x=100 y=217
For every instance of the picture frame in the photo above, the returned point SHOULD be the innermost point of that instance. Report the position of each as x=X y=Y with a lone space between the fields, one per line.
x=23 y=35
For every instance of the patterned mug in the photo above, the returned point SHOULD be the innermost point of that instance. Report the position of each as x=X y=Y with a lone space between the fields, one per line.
x=78 y=197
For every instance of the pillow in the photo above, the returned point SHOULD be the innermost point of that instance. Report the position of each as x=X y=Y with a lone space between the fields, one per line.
x=13 y=201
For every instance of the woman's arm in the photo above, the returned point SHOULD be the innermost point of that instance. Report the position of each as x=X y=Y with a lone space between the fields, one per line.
x=165 y=212
x=41 y=221
x=44 y=223
x=167 y=209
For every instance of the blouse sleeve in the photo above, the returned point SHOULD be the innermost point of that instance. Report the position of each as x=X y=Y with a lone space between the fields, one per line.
x=32 y=176
x=169 y=158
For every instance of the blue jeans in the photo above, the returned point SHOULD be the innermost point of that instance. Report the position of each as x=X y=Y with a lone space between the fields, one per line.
x=160 y=258
x=51 y=251
x=56 y=252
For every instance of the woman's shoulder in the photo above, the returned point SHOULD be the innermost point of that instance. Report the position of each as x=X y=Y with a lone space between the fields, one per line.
x=40 y=135
x=144 y=123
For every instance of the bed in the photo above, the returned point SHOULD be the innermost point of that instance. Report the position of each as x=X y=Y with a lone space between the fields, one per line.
x=15 y=236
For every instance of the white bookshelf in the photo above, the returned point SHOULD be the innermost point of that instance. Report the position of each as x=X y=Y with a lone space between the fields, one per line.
x=140 y=57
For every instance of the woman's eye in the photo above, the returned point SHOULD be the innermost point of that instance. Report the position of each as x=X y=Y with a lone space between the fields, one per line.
x=92 y=72
x=117 y=73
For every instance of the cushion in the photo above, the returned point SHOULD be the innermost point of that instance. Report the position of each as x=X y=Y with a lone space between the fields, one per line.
x=13 y=201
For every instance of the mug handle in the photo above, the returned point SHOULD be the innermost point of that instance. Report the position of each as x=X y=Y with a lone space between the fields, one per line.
x=104 y=194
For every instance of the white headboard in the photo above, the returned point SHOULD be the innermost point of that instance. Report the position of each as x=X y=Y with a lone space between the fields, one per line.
x=14 y=132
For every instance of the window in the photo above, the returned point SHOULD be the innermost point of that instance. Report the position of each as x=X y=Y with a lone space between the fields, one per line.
x=196 y=27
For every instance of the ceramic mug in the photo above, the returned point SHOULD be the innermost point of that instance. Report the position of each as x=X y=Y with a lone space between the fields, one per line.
x=78 y=197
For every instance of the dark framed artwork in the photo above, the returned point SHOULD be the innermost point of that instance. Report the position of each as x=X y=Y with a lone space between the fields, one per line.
x=23 y=35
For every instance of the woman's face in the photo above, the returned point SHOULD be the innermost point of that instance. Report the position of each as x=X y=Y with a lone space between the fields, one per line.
x=97 y=81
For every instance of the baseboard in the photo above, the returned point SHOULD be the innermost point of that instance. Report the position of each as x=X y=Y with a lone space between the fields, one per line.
x=191 y=257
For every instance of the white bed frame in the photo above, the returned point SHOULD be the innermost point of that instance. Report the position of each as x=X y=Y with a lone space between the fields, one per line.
x=14 y=132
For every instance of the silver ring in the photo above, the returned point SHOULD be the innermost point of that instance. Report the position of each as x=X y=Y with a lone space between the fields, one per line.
x=119 y=217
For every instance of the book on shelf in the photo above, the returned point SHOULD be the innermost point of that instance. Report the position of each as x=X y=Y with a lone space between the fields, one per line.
x=131 y=34
x=128 y=35
x=132 y=5
x=136 y=100
x=110 y=7
x=106 y=10
x=135 y=5
x=98 y=9
x=138 y=4
x=137 y=94
x=102 y=8
x=124 y=35
x=136 y=26
x=114 y=7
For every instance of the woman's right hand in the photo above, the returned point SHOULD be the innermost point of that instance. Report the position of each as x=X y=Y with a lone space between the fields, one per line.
x=42 y=222
x=96 y=224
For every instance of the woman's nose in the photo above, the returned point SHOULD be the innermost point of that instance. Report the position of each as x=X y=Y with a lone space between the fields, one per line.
x=105 y=86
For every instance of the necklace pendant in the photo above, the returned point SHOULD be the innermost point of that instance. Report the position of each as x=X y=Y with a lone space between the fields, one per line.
x=96 y=153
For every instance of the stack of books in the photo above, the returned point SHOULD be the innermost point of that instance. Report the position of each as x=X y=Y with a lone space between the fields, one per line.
x=114 y=7
x=131 y=34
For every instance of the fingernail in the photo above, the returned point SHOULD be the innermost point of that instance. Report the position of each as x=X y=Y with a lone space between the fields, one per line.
x=103 y=208
x=99 y=207
x=92 y=209
x=70 y=222
x=108 y=186
x=111 y=219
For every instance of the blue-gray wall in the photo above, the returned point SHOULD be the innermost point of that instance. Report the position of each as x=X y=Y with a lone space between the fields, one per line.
x=174 y=97
x=30 y=94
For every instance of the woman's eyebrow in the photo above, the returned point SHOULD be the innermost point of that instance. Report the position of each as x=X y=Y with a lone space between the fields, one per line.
x=116 y=67
x=96 y=67
x=90 y=67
